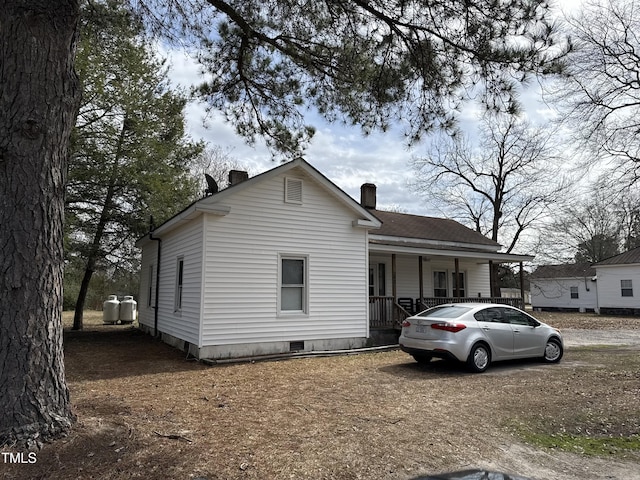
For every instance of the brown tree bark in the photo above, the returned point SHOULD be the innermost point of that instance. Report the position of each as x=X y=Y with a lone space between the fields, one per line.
x=39 y=97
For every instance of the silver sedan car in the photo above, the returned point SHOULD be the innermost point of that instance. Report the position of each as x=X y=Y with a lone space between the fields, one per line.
x=478 y=334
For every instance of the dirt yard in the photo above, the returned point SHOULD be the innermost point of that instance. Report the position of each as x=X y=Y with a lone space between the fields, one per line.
x=144 y=411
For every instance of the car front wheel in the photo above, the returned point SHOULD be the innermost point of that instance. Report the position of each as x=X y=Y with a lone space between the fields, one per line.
x=479 y=358
x=553 y=351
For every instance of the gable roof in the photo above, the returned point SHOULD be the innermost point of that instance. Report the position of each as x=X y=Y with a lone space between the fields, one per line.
x=429 y=228
x=566 y=270
x=214 y=204
x=626 y=258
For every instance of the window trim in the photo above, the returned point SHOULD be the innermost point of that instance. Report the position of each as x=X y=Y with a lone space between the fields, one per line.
x=179 y=291
x=446 y=284
x=305 y=285
x=150 y=286
x=377 y=279
x=626 y=290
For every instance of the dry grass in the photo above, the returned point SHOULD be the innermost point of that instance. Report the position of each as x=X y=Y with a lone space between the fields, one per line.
x=144 y=411
x=589 y=321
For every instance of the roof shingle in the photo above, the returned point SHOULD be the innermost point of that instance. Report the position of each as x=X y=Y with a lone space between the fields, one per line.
x=566 y=270
x=626 y=258
x=428 y=228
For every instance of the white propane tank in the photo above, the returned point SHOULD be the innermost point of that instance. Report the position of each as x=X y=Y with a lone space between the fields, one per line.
x=111 y=310
x=128 y=309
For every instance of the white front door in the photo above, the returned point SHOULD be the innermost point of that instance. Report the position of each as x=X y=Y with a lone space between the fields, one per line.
x=377 y=280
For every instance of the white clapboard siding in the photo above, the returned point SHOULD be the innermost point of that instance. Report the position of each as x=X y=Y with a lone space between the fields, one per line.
x=609 y=289
x=146 y=297
x=186 y=243
x=242 y=258
x=407 y=275
x=477 y=278
x=556 y=293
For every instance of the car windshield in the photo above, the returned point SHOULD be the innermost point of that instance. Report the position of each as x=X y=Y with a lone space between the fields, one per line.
x=449 y=311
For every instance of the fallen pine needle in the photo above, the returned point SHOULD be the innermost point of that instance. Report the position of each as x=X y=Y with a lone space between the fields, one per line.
x=173 y=436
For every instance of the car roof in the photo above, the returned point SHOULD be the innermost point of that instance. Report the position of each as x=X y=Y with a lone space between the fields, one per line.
x=474 y=305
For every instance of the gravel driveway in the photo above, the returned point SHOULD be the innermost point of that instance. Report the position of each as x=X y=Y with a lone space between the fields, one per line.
x=582 y=337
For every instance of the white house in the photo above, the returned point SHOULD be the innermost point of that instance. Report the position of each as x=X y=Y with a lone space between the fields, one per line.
x=420 y=261
x=619 y=283
x=287 y=261
x=569 y=287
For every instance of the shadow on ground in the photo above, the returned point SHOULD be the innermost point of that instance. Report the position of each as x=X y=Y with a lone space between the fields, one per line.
x=120 y=351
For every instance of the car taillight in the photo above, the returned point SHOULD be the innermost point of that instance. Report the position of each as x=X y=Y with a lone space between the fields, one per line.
x=449 y=327
x=406 y=323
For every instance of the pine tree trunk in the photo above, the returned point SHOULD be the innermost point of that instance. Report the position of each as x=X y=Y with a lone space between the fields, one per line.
x=39 y=96
x=78 y=315
x=94 y=252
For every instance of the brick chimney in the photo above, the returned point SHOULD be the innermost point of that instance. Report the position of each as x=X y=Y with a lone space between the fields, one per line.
x=368 y=195
x=237 y=176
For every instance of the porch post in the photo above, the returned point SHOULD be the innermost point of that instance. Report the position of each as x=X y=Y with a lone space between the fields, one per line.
x=393 y=276
x=522 y=286
x=491 y=279
x=421 y=279
x=457 y=274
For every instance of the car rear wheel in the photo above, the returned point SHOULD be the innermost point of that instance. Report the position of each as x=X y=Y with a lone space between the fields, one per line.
x=479 y=358
x=422 y=359
x=553 y=351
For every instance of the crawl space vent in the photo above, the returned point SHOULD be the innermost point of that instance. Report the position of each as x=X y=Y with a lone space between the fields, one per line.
x=296 y=346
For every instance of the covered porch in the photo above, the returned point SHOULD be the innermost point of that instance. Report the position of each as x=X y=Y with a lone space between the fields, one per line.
x=404 y=280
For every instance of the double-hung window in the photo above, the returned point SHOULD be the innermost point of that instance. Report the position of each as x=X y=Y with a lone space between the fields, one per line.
x=293 y=284
x=150 y=287
x=626 y=287
x=439 y=284
x=179 y=280
x=574 y=292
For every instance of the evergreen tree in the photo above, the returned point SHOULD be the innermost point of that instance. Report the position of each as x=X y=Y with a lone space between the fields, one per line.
x=130 y=157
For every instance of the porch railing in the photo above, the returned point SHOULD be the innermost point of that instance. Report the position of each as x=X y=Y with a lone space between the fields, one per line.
x=435 y=301
x=386 y=312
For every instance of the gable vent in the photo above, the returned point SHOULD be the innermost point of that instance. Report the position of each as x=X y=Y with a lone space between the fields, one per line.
x=293 y=190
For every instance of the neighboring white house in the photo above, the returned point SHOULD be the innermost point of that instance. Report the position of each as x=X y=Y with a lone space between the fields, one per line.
x=287 y=261
x=516 y=293
x=619 y=283
x=570 y=287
